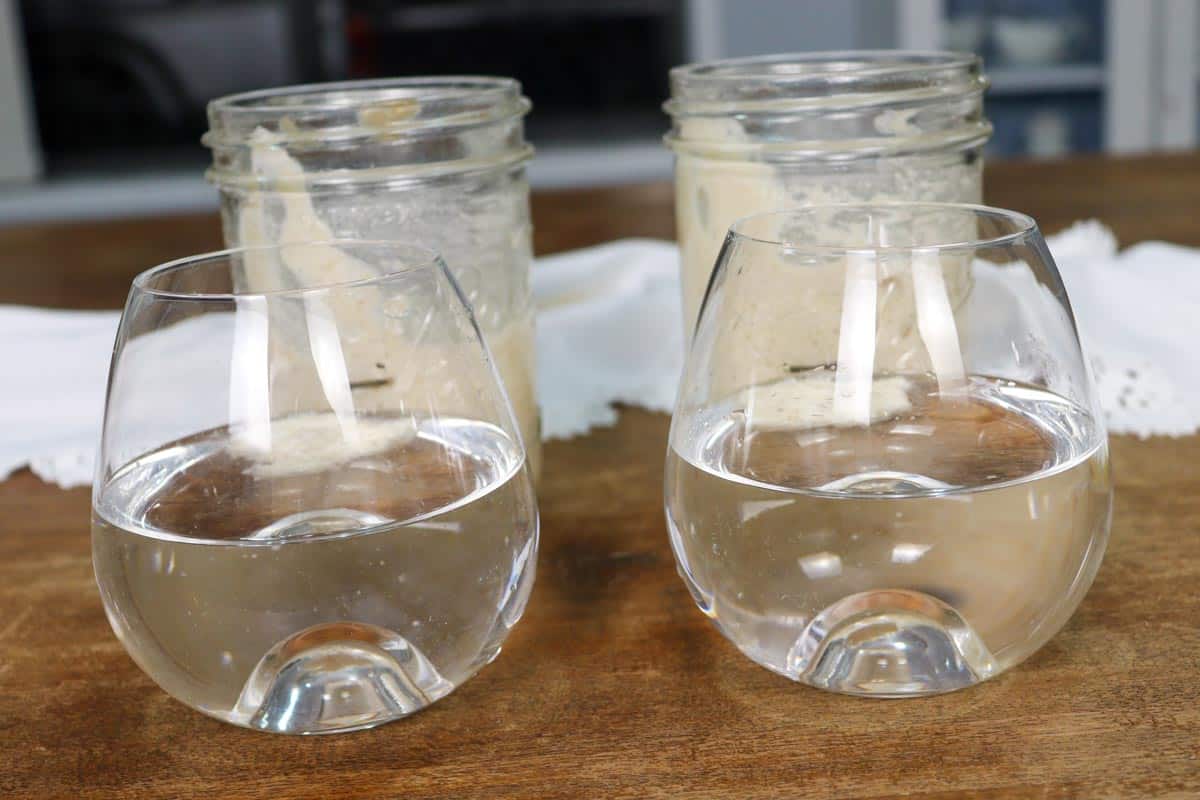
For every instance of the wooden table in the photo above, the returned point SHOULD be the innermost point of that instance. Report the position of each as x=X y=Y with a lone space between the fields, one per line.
x=614 y=685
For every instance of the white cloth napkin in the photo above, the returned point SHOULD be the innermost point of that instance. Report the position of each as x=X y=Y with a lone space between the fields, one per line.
x=609 y=330
x=1138 y=313
x=55 y=369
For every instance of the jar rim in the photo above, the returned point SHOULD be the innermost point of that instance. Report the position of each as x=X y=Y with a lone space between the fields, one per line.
x=792 y=67
x=332 y=112
x=397 y=113
x=821 y=80
x=383 y=88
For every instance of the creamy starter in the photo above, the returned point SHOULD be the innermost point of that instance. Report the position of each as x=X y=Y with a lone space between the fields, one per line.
x=288 y=216
x=779 y=132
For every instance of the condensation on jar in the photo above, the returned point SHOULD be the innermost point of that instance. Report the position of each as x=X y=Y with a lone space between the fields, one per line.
x=438 y=162
x=775 y=132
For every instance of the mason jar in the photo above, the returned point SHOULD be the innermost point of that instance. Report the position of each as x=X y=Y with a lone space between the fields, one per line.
x=437 y=161
x=773 y=132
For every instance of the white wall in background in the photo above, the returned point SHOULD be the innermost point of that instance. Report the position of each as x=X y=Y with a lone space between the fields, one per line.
x=1181 y=38
x=1133 y=80
x=919 y=25
x=19 y=155
x=1152 y=69
x=734 y=28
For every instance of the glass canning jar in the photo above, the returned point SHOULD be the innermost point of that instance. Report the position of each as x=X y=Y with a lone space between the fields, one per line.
x=437 y=160
x=773 y=132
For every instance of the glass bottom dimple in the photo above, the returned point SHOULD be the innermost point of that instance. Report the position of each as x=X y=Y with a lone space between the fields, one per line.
x=891 y=643
x=337 y=677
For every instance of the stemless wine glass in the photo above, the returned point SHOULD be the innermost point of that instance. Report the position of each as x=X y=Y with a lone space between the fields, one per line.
x=312 y=511
x=887 y=473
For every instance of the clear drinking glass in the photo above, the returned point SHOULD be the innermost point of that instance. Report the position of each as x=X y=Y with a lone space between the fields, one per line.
x=287 y=545
x=910 y=492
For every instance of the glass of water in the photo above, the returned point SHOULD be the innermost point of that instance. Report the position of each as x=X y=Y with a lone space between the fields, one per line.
x=312 y=509
x=887 y=472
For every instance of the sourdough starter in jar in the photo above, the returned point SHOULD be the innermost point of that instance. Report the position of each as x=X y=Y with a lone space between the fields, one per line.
x=438 y=162
x=776 y=132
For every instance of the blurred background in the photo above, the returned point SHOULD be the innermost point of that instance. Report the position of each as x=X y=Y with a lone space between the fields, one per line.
x=103 y=100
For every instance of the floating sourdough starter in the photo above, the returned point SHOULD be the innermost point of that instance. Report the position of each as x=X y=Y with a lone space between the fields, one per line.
x=387 y=373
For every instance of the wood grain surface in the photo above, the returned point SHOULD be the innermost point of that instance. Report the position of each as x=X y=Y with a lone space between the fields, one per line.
x=614 y=685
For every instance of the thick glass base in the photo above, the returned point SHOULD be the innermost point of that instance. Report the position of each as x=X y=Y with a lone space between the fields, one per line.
x=335 y=678
x=890 y=643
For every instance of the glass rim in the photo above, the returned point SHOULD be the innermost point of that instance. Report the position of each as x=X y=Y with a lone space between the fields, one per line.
x=1022 y=224
x=426 y=258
